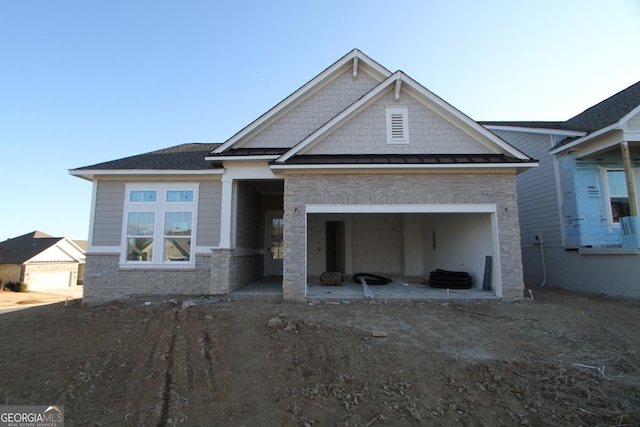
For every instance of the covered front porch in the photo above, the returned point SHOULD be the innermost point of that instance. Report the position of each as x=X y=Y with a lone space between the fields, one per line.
x=399 y=290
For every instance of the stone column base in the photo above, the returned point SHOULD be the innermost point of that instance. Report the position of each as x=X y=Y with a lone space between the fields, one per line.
x=222 y=271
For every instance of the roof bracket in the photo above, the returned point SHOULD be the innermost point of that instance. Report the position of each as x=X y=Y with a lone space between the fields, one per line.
x=354 y=75
x=397 y=90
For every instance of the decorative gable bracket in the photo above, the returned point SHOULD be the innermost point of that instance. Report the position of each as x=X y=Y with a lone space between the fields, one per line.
x=396 y=95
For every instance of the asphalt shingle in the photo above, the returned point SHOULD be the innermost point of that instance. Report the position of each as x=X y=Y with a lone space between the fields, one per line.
x=180 y=157
x=607 y=112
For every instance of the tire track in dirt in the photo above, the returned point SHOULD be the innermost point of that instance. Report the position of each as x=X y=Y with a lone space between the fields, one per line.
x=195 y=383
x=136 y=364
x=166 y=392
x=124 y=379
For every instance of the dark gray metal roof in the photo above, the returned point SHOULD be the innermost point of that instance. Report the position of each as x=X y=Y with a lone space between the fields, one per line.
x=402 y=159
x=22 y=248
x=252 y=152
x=181 y=157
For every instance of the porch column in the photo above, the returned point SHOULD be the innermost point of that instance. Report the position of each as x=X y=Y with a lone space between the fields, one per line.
x=226 y=213
x=628 y=172
x=630 y=225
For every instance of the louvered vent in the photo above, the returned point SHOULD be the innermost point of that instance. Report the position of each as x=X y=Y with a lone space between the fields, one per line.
x=397 y=126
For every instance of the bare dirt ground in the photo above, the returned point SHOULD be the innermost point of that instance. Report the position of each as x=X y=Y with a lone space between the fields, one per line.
x=565 y=359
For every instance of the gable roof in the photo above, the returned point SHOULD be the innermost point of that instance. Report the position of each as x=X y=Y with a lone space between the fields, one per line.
x=184 y=157
x=606 y=116
x=603 y=118
x=354 y=59
x=607 y=112
x=400 y=80
x=22 y=248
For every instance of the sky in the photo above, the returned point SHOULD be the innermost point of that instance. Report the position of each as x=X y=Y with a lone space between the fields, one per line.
x=88 y=81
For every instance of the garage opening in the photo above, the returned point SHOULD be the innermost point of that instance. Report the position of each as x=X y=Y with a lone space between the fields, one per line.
x=403 y=246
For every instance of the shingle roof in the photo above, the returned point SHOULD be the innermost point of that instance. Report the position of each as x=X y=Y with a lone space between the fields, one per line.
x=606 y=112
x=22 y=248
x=402 y=159
x=181 y=157
x=601 y=115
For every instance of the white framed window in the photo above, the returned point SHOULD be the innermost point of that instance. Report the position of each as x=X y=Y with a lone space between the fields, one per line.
x=159 y=225
x=397 y=119
x=617 y=194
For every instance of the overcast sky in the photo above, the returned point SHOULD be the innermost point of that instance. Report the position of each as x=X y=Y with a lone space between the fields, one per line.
x=88 y=81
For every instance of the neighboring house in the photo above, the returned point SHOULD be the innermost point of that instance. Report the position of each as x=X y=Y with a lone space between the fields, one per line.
x=359 y=170
x=572 y=206
x=42 y=261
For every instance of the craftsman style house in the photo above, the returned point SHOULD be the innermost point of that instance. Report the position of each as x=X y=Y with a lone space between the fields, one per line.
x=579 y=221
x=360 y=169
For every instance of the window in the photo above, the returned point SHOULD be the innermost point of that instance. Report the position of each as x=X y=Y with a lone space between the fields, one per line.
x=397 y=125
x=140 y=227
x=141 y=196
x=618 y=194
x=159 y=224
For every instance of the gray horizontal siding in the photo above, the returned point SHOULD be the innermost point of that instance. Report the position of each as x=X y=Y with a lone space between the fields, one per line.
x=107 y=223
x=210 y=200
x=110 y=197
x=537 y=193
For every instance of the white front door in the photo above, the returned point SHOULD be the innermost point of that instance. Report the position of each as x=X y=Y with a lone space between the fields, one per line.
x=274 y=244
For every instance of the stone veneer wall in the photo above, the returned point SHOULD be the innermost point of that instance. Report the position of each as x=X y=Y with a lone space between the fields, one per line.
x=248 y=268
x=222 y=270
x=218 y=274
x=392 y=188
x=105 y=281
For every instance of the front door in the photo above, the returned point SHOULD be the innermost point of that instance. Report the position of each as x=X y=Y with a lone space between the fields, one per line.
x=275 y=245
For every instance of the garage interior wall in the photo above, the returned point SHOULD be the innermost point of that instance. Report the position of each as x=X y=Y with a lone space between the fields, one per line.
x=406 y=245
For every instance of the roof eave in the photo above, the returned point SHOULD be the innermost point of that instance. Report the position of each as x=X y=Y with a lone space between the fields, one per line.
x=240 y=158
x=91 y=174
x=586 y=138
x=544 y=131
x=413 y=167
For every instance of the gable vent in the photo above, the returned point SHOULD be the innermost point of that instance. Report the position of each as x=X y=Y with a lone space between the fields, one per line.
x=397 y=126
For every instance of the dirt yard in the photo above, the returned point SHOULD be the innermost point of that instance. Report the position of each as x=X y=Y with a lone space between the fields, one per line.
x=565 y=359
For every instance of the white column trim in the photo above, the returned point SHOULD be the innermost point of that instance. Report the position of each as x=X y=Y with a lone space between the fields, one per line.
x=226 y=213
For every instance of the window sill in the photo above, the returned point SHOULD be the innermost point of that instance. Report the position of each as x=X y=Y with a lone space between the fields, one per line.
x=155 y=267
x=608 y=251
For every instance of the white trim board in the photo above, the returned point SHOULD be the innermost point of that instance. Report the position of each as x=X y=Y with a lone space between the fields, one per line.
x=402 y=208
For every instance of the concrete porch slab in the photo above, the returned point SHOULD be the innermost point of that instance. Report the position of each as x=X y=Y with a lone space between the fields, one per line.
x=271 y=288
x=396 y=291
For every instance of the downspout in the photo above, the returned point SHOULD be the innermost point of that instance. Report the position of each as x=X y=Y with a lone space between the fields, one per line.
x=539 y=239
x=544 y=267
x=628 y=173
